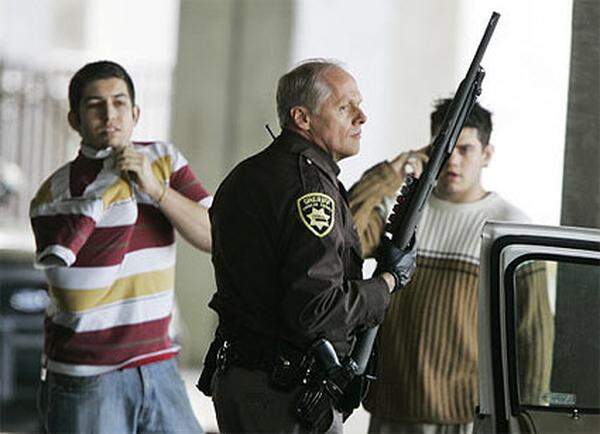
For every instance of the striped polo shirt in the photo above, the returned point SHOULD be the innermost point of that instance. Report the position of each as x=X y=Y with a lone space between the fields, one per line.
x=111 y=305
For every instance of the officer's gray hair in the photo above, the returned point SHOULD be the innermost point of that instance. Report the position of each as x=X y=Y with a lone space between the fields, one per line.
x=303 y=86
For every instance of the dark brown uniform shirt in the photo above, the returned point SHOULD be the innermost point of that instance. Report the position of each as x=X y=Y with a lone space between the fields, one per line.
x=286 y=254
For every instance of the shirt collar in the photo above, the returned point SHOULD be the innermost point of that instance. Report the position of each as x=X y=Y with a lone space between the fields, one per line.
x=95 y=154
x=297 y=144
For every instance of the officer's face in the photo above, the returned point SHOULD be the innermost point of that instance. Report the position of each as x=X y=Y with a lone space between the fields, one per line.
x=337 y=125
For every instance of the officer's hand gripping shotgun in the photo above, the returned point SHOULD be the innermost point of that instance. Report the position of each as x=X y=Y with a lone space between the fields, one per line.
x=402 y=226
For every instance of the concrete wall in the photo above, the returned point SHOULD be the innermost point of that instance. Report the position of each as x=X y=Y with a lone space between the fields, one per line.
x=526 y=86
x=403 y=55
x=406 y=54
x=581 y=185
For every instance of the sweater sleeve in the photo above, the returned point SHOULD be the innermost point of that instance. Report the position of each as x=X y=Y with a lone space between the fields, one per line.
x=369 y=204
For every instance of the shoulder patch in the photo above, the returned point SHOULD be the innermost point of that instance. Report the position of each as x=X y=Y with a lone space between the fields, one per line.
x=317 y=212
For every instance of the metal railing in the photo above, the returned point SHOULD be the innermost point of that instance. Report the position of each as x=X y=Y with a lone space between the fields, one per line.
x=34 y=132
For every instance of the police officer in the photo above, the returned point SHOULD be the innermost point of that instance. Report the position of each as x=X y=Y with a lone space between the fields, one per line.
x=287 y=257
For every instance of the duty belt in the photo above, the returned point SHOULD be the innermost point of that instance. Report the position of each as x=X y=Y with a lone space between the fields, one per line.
x=236 y=354
x=287 y=367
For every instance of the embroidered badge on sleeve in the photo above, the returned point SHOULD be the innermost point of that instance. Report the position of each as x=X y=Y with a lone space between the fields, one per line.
x=317 y=212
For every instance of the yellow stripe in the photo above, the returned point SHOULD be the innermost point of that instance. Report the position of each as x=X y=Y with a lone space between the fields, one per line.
x=161 y=167
x=77 y=300
x=43 y=195
x=119 y=191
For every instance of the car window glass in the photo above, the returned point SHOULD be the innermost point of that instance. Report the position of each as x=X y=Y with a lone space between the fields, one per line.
x=557 y=323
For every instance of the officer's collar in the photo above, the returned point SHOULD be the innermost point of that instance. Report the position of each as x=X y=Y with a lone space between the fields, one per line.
x=297 y=144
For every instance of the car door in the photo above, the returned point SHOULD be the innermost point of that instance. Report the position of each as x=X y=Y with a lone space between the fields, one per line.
x=539 y=330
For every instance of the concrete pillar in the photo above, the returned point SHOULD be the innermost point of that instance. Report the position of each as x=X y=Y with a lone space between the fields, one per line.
x=230 y=56
x=581 y=182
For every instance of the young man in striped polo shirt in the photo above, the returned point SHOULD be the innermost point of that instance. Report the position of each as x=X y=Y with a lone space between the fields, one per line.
x=427 y=365
x=103 y=225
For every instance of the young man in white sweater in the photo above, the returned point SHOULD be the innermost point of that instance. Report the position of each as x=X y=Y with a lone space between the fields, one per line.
x=427 y=364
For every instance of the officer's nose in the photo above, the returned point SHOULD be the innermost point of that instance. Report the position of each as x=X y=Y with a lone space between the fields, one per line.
x=361 y=116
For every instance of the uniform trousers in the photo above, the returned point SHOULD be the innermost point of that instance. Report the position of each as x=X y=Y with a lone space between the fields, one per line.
x=245 y=403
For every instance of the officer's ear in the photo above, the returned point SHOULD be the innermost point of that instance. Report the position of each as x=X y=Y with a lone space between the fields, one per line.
x=300 y=117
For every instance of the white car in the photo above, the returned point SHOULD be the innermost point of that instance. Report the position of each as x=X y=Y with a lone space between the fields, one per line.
x=566 y=265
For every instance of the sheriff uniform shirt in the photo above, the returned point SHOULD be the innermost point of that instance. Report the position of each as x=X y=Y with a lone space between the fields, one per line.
x=286 y=254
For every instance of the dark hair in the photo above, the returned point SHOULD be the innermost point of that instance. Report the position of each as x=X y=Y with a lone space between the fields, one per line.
x=96 y=71
x=479 y=118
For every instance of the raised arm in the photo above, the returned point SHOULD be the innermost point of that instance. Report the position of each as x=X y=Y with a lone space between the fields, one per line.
x=188 y=217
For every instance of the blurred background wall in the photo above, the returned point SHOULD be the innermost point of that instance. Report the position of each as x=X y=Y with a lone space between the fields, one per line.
x=206 y=73
x=404 y=55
